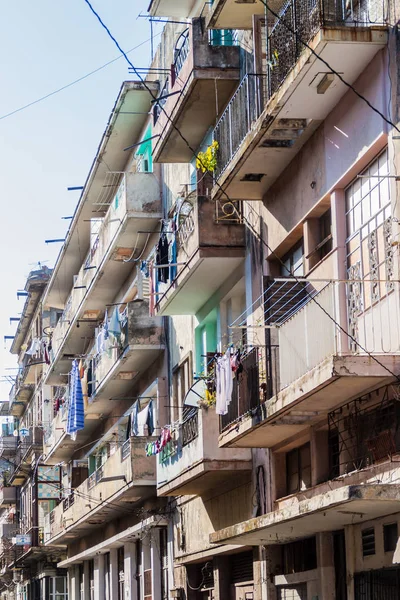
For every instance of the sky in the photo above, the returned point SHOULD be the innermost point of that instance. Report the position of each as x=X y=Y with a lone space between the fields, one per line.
x=50 y=146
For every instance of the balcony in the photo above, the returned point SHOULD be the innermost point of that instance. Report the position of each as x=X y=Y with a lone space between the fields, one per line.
x=202 y=80
x=314 y=366
x=193 y=463
x=135 y=208
x=29 y=374
x=230 y=14
x=323 y=509
x=210 y=248
x=126 y=477
x=8 y=445
x=8 y=495
x=276 y=110
x=21 y=461
x=113 y=373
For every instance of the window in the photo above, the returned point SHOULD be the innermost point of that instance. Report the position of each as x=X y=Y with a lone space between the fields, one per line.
x=164 y=563
x=390 y=537
x=58 y=588
x=298 y=469
x=368 y=541
x=368 y=194
x=299 y=556
x=181 y=382
x=294 y=261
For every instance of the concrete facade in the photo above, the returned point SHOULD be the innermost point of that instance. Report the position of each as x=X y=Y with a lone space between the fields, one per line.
x=285 y=249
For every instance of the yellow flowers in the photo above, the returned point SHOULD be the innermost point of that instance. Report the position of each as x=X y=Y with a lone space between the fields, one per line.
x=207 y=161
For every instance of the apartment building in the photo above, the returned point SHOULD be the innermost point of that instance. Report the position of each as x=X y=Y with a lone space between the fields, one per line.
x=240 y=217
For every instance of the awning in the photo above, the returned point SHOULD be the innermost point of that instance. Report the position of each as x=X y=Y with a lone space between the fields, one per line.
x=328 y=511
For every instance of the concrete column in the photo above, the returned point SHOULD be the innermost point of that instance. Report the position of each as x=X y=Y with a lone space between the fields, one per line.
x=114 y=574
x=319 y=456
x=155 y=564
x=86 y=582
x=350 y=560
x=99 y=587
x=338 y=211
x=73 y=583
x=311 y=240
x=130 y=571
x=326 y=566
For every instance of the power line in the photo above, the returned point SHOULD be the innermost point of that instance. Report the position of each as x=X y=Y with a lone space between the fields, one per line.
x=68 y=85
x=220 y=187
x=338 y=75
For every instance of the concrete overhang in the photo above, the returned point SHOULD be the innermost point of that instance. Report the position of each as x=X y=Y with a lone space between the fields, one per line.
x=128 y=117
x=175 y=9
x=199 y=279
x=131 y=534
x=296 y=109
x=327 y=511
x=308 y=400
x=231 y=14
x=35 y=286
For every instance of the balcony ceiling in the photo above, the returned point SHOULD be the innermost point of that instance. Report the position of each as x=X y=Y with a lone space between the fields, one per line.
x=197 y=284
x=348 y=51
x=175 y=9
x=123 y=130
x=231 y=14
x=327 y=511
x=309 y=399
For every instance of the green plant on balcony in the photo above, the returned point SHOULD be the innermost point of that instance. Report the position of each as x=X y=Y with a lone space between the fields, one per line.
x=207 y=161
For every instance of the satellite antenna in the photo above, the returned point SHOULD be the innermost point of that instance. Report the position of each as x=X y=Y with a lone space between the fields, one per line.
x=195 y=393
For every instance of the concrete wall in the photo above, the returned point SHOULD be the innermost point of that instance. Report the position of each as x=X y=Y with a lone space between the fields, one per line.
x=341 y=140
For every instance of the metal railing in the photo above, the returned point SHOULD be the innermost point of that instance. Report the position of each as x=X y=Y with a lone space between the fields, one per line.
x=95 y=477
x=248 y=391
x=181 y=51
x=67 y=503
x=126 y=450
x=298 y=22
x=190 y=428
x=361 y=435
x=243 y=109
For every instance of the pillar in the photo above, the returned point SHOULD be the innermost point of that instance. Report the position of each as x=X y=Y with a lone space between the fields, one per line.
x=99 y=587
x=311 y=240
x=326 y=566
x=73 y=583
x=86 y=577
x=338 y=211
x=155 y=564
x=350 y=560
x=130 y=571
x=114 y=576
x=146 y=561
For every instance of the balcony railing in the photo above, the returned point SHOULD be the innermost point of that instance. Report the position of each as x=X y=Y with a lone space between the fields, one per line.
x=95 y=477
x=297 y=21
x=181 y=51
x=190 y=427
x=248 y=391
x=243 y=109
x=361 y=434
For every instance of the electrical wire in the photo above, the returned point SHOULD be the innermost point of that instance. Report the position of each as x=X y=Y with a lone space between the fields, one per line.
x=338 y=75
x=350 y=86
x=68 y=85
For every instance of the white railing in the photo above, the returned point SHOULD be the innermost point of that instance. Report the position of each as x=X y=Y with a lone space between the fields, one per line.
x=340 y=319
x=307 y=338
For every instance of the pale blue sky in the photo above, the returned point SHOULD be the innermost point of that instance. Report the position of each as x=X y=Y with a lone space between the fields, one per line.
x=50 y=146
